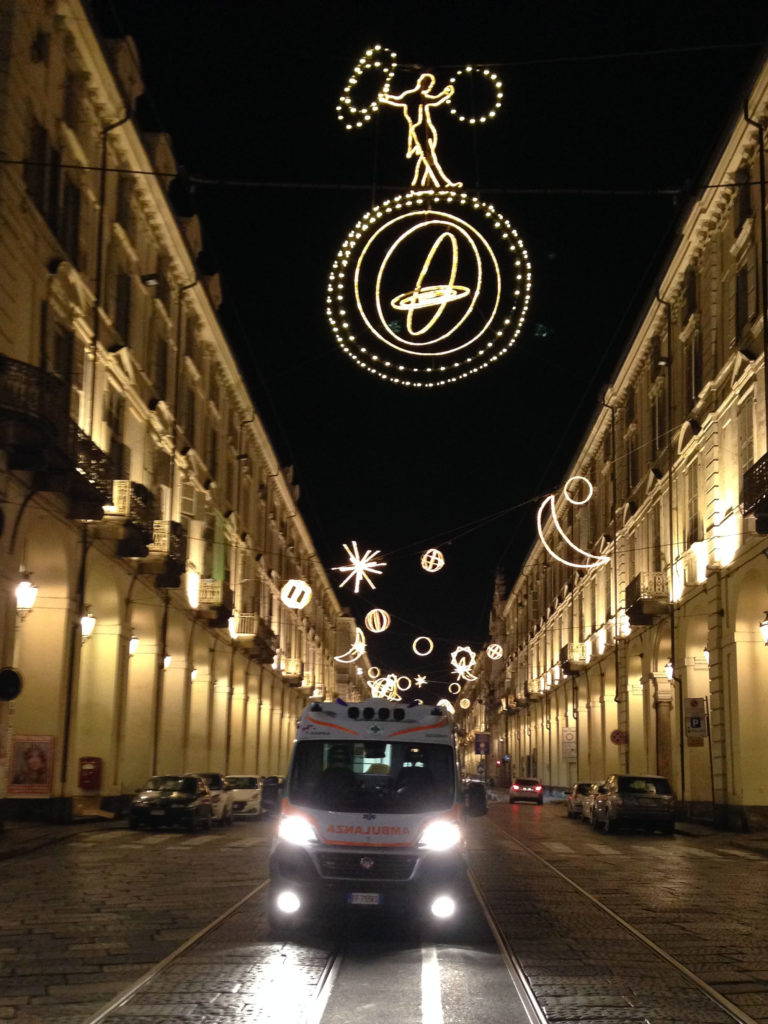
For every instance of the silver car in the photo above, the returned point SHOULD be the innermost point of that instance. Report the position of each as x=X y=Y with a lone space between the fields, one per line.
x=575 y=798
x=246 y=795
x=635 y=801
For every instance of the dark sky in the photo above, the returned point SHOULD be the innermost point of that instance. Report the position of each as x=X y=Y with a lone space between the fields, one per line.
x=610 y=116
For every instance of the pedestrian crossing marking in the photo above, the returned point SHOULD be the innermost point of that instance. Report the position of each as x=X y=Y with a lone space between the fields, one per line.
x=606 y=851
x=732 y=852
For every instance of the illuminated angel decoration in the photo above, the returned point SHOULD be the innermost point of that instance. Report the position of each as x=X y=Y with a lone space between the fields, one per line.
x=360 y=566
x=416 y=104
x=463 y=660
x=586 y=560
x=356 y=649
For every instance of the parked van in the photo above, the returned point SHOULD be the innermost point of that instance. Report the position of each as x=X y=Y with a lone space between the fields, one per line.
x=371 y=814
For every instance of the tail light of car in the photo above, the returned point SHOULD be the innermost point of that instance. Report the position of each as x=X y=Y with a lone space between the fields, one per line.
x=538 y=788
x=515 y=786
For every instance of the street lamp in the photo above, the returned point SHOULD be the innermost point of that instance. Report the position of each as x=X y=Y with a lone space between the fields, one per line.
x=133 y=645
x=26 y=595
x=706 y=655
x=166 y=661
x=669 y=668
x=87 y=624
x=764 y=628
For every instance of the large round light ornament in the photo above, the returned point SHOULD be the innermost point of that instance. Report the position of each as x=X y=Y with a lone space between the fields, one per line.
x=495 y=652
x=377 y=620
x=432 y=560
x=464 y=703
x=296 y=594
x=428 y=288
x=423 y=645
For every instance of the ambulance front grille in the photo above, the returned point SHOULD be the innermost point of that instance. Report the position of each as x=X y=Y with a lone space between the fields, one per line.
x=394 y=867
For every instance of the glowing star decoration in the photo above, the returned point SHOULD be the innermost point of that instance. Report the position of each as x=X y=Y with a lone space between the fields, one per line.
x=463 y=660
x=577 y=557
x=495 y=651
x=356 y=650
x=434 y=285
x=377 y=620
x=377 y=61
x=432 y=560
x=360 y=566
x=420 y=680
x=296 y=594
x=423 y=645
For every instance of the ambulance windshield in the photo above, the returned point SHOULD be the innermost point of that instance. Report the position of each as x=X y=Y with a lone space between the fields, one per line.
x=374 y=776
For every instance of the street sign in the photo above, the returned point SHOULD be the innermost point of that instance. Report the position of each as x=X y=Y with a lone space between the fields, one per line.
x=568 y=740
x=696 y=718
x=482 y=743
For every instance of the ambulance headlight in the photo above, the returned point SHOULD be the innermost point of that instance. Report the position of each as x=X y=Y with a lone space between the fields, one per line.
x=440 y=835
x=296 y=830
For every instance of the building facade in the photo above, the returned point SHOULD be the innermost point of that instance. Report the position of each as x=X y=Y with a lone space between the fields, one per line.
x=640 y=648
x=140 y=496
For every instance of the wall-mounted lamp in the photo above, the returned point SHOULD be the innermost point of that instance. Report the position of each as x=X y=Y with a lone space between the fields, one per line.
x=764 y=628
x=26 y=595
x=87 y=624
x=166 y=662
x=133 y=645
x=669 y=668
x=706 y=655
x=193 y=674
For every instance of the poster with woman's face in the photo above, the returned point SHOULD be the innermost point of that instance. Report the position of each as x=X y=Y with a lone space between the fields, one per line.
x=31 y=766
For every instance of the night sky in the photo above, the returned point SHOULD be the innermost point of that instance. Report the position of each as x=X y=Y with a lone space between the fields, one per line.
x=611 y=114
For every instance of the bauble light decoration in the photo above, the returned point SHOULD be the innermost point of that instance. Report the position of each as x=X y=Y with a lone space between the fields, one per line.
x=377 y=620
x=465 y=703
x=423 y=645
x=495 y=652
x=432 y=560
x=296 y=594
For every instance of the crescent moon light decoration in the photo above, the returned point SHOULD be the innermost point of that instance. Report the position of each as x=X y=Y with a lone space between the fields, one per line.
x=495 y=651
x=588 y=560
x=432 y=560
x=417 y=645
x=357 y=650
x=359 y=566
x=377 y=620
x=296 y=594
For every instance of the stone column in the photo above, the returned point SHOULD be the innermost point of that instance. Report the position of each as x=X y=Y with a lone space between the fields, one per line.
x=662 y=703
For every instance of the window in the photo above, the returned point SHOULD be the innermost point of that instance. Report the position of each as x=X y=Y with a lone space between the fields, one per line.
x=114 y=416
x=693 y=521
x=690 y=295
x=212 y=452
x=746 y=436
x=742 y=205
x=630 y=406
x=69 y=233
x=159 y=363
x=693 y=369
x=742 y=302
x=123 y=306
x=124 y=210
x=656 y=563
x=633 y=460
x=659 y=420
x=35 y=171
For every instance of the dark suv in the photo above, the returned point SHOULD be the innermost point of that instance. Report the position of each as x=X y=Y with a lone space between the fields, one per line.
x=635 y=801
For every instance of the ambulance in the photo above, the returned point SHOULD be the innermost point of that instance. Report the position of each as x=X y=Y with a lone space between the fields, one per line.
x=371 y=815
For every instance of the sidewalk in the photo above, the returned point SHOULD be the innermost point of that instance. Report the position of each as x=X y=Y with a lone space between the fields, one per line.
x=20 y=837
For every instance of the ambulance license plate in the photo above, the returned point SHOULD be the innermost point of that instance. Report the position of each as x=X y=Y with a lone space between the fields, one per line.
x=364 y=899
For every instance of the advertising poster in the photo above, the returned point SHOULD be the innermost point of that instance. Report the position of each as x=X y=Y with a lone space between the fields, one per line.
x=31 y=766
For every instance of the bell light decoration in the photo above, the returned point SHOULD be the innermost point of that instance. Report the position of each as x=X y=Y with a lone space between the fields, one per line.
x=432 y=560
x=26 y=595
x=377 y=620
x=296 y=594
x=87 y=624
x=495 y=652
x=575 y=557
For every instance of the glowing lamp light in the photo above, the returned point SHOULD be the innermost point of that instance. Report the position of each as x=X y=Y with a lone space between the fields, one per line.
x=296 y=594
x=465 y=703
x=360 y=566
x=133 y=645
x=377 y=620
x=706 y=655
x=423 y=645
x=193 y=675
x=432 y=560
x=193 y=587
x=26 y=595
x=232 y=626
x=577 y=558
x=669 y=670
x=764 y=628
x=87 y=625
x=166 y=662
x=495 y=652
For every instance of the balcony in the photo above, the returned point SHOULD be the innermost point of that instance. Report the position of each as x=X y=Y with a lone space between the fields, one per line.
x=258 y=640
x=754 y=493
x=39 y=437
x=647 y=598
x=293 y=671
x=573 y=658
x=216 y=602
x=167 y=554
x=133 y=513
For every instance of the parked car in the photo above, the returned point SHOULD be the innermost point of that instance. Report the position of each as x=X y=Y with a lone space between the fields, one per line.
x=246 y=795
x=221 y=797
x=526 y=789
x=172 y=800
x=635 y=801
x=272 y=788
x=575 y=798
x=588 y=802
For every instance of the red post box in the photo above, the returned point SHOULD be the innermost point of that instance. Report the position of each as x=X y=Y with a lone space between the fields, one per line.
x=89 y=773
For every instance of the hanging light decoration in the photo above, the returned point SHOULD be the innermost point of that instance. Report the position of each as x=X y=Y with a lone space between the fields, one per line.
x=432 y=560
x=495 y=652
x=423 y=645
x=133 y=645
x=377 y=620
x=296 y=594
x=26 y=595
x=87 y=624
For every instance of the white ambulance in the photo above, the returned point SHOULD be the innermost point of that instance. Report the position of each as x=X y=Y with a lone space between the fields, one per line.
x=371 y=815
